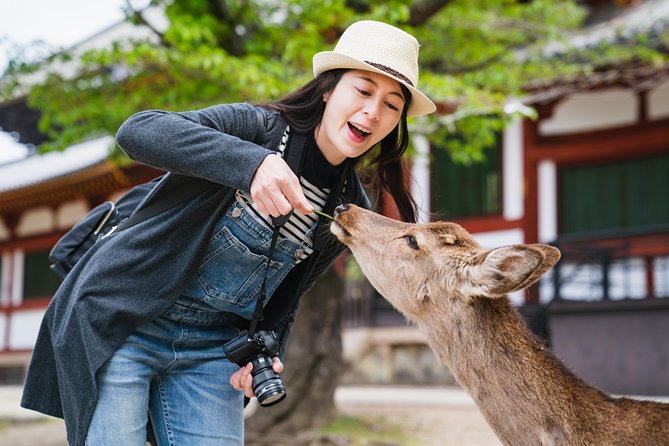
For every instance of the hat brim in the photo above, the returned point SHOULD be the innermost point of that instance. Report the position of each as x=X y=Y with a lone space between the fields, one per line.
x=329 y=60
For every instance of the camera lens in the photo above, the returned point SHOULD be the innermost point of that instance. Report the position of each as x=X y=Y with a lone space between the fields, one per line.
x=267 y=385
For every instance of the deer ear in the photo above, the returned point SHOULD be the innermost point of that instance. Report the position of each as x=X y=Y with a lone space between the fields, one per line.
x=507 y=269
x=551 y=255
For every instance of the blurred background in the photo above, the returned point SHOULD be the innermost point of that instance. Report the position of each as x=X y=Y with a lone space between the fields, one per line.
x=552 y=127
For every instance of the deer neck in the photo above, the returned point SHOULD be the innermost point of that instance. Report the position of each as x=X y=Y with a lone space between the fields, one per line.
x=525 y=394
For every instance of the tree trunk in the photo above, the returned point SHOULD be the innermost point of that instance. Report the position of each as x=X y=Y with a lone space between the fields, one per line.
x=313 y=365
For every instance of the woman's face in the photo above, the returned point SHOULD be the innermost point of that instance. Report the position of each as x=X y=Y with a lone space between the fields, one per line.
x=362 y=109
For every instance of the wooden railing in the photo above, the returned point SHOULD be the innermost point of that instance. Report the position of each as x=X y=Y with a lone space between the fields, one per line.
x=629 y=265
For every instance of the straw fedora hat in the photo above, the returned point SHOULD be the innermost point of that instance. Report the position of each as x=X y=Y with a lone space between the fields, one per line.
x=376 y=46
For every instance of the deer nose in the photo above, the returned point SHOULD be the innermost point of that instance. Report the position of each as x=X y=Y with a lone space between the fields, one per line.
x=339 y=209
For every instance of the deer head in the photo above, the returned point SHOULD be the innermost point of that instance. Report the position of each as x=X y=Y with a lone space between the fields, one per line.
x=413 y=265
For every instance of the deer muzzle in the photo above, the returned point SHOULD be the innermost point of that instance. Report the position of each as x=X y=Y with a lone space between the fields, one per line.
x=340 y=225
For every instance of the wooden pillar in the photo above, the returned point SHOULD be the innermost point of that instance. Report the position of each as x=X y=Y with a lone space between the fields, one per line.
x=642 y=113
x=650 y=276
x=12 y=222
x=531 y=193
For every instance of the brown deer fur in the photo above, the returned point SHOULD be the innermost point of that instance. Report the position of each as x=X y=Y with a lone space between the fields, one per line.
x=439 y=278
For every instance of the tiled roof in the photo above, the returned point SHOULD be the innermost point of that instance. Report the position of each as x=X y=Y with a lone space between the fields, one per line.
x=40 y=168
x=650 y=19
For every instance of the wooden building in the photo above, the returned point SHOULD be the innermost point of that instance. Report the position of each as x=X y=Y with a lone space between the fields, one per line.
x=589 y=175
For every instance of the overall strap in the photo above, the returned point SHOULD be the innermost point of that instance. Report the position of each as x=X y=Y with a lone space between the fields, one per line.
x=257 y=311
x=331 y=203
x=293 y=155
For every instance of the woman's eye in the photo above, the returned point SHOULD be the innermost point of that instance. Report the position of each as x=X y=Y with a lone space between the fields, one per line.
x=363 y=92
x=392 y=106
x=411 y=241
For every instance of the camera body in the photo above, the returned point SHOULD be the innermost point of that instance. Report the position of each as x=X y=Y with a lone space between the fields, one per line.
x=259 y=350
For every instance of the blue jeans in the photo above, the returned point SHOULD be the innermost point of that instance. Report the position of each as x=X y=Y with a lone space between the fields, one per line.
x=176 y=373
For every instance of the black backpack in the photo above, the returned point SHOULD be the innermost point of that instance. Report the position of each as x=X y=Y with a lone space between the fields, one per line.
x=109 y=217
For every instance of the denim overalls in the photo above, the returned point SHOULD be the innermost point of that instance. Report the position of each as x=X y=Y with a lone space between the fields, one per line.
x=179 y=356
x=234 y=265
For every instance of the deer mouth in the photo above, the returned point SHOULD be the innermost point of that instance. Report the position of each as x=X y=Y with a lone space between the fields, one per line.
x=336 y=226
x=340 y=232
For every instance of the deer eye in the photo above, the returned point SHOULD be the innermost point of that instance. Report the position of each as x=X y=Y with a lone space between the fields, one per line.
x=411 y=241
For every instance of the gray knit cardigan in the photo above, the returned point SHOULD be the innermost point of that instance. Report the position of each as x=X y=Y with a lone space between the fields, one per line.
x=134 y=275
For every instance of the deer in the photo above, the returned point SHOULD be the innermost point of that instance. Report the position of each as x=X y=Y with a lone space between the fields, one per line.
x=440 y=279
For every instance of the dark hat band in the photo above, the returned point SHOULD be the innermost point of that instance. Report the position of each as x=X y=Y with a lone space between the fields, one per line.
x=391 y=72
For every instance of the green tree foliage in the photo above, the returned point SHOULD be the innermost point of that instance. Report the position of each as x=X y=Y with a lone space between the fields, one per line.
x=475 y=55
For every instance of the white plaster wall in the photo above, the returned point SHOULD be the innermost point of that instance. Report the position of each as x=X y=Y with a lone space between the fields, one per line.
x=3 y=330
x=512 y=175
x=5 y=280
x=661 y=276
x=658 y=102
x=547 y=210
x=36 y=221
x=547 y=206
x=420 y=171
x=71 y=212
x=17 y=278
x=23 y=329
x=495 y=239
x=592 y=111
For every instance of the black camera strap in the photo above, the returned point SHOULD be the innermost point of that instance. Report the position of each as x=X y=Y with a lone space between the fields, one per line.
x=330 y=205
x=293 y=155
x=257 y=312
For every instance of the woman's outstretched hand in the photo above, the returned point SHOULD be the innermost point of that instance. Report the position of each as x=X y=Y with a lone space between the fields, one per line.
x=276 y=190
x=242 y=379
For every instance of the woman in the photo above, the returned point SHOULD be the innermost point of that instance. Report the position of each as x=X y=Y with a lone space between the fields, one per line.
x=134 y=334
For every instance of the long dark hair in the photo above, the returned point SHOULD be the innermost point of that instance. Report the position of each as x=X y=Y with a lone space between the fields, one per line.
x=303 y=110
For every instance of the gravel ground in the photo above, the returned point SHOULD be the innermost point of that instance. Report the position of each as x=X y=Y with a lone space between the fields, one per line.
x=437 y=417
x=436 y=426
x=35 y=432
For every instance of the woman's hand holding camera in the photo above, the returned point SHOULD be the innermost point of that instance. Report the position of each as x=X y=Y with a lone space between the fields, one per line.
x=242 y=379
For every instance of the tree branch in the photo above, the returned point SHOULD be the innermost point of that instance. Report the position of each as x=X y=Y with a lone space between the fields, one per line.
x=137 y=18
x=421 y=11
x=359 y=6
x=231 y=41
x=480 y=65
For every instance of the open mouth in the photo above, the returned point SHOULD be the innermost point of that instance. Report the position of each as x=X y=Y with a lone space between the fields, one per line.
x=359 y=133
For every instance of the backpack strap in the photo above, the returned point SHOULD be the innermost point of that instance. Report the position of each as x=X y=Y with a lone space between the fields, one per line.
x=165 y=201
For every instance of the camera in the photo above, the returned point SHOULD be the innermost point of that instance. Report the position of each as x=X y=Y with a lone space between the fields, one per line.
x=259 y=350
